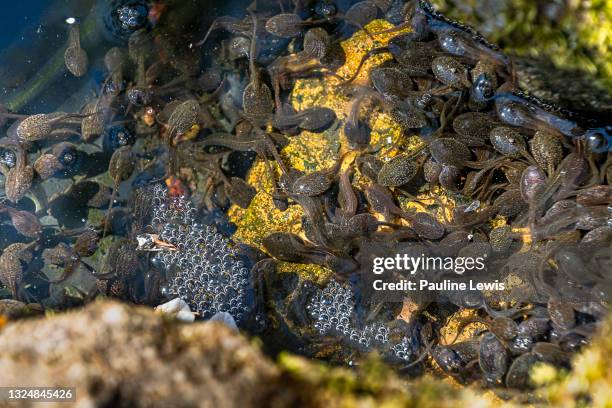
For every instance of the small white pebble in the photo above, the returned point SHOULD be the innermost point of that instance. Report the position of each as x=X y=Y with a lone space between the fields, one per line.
x=177 y=308
x=225 y=318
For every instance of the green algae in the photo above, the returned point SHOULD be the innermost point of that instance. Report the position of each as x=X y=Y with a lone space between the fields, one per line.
x=575 y=35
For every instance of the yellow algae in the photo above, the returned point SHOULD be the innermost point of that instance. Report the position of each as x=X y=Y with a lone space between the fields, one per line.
x=385 y=131
x=311 y=92
x=497 y=222
x=262 y=217
x=449 y=332
x=314 y=273
x=310 y=152
x=360 y=44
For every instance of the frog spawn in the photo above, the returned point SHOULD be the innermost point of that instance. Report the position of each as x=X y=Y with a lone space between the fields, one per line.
x=333 y=312
x=207 y=272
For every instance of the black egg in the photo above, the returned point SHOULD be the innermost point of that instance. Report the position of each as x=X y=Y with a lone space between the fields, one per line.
x=8 y=158
x=121 y=18
x=139 y=96
x=117 y=136
x=68 y=156
x=326 y=9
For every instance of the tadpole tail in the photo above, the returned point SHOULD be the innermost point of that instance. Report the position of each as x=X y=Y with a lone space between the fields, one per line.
x=108 y=212
x=368 y=55
x=212 y=28
x=395 y=29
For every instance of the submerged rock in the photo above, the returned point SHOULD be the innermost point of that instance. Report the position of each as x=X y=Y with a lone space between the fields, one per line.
x=226 y=319
x=116 y=355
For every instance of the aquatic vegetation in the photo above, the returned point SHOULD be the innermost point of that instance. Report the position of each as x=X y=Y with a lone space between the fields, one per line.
x=561 y=29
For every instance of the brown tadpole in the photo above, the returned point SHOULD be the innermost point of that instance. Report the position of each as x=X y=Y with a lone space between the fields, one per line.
x=510 y=143
x=26 y=223
x=315 y=119
x=75 y=57
x=115 y=61
x=184 y=122
x=360 y=14
x=42 y=126
x=120 y=168
x=288 y=25
x=398 y=171
x=346 y=195
x=451 y=72
x=318 y=182
x=257 y=100
x=424 y=224
x=18 y=179
x=12 y=265
x=291 y=248
x=357 y=130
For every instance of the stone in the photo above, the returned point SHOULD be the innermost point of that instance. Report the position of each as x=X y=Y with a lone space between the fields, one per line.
x=117 y=355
